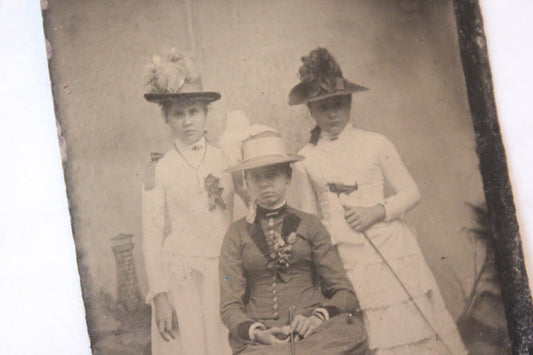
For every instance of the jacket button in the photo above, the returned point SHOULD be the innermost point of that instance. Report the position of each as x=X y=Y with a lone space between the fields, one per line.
x=275 y=307
x=273 y=284
x=275 y=314
x=275 y=299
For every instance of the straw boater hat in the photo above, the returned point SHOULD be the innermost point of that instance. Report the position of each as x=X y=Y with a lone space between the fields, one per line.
x=263 y=149
x=175 y=78
x=321 y=77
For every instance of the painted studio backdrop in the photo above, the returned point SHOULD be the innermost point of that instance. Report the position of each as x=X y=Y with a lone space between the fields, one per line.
x=405 y=51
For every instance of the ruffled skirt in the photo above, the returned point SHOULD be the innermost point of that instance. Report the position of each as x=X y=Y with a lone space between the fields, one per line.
x=395 y=322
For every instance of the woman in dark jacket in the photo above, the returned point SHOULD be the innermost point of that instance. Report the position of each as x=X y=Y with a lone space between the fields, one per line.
x=279 y=258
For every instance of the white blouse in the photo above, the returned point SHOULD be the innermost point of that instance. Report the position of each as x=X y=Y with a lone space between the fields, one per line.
x=356 y=158
x=179 y=218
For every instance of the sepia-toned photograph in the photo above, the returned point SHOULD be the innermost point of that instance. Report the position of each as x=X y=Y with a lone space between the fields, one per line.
x=274 y=177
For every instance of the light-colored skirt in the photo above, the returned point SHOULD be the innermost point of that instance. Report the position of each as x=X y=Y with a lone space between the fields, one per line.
x=395 y=322
x=194 y=294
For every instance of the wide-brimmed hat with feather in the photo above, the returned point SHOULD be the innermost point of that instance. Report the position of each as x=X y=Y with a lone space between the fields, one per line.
x=321 y=77
x=175 y=77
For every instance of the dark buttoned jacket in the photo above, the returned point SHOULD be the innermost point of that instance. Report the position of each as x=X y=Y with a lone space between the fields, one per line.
x=251 y=291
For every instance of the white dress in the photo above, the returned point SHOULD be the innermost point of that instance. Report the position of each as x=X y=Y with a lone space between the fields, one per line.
x=182 y=234
x=395 y=323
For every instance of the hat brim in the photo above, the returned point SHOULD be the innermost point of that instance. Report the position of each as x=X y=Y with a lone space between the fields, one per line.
x=267 y=160
x=207 y=97
x=303 y=93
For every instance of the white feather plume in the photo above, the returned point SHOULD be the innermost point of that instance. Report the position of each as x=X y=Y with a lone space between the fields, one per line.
x=238 y=129
x=168 y=74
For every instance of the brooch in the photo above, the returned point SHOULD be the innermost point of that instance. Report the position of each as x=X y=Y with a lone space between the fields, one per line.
x=214 y=192
x=341 y=188
x=280 y=250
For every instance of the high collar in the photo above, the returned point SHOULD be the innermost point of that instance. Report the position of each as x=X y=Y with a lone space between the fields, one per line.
x=346 y=132
x=262 y=212
x=198 y=146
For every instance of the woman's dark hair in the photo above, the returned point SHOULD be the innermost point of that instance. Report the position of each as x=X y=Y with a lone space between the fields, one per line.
x=315 y=132
x=165 y=106
x=347 y=97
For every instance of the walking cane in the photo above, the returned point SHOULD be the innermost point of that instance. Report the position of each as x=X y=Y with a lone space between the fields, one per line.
x=292 y=309
x=397 y=277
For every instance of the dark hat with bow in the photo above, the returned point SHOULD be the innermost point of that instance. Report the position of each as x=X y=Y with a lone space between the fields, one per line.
x=321 y=77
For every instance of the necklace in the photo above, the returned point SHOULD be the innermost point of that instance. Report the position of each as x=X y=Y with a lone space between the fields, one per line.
x=195 y=168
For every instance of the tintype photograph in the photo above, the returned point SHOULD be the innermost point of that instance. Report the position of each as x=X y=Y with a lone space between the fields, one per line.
x=275 y=177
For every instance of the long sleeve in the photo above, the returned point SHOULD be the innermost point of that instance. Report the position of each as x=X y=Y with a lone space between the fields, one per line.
x=233 y=286
x=335 y=285
x=406 y=194
x=153 y=226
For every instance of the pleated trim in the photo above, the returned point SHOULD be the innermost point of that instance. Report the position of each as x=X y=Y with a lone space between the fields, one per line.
x=423 y=346
x=395 y=324
x=402 y=326
x=376 y=286
x=430 y=345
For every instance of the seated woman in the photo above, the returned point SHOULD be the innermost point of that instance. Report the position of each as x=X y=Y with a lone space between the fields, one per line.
x=278 y=258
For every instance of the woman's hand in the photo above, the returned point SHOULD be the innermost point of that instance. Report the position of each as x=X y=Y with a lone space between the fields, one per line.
x=362 y=218
x=304 y=325
x=165 y=316
x=274 y=335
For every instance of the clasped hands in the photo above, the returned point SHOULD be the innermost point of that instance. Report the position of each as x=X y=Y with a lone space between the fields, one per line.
x=301 y=326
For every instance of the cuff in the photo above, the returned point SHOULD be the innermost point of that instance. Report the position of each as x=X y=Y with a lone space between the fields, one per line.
x=393 y=208
x=255 y=326
x=154 y=292
x=321 y=313
x=388 y=212
x=246 y=329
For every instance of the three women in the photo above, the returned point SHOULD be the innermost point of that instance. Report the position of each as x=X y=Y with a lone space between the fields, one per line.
x=279 y=258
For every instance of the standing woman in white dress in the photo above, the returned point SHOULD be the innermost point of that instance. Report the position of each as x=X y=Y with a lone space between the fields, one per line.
x=342 y=180
x=187 y=207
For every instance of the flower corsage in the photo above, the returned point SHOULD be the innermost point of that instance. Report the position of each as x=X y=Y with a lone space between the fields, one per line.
x=214 y=192
x=280 y=250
